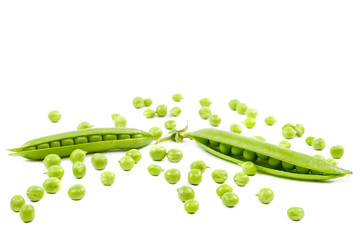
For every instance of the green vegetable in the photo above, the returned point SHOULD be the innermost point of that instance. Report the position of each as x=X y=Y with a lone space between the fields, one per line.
x=157 y=152
x=161 y=110
x=230 y=199
x=288 y=132
x=99 y=161
x=300 y=130
x=138 y=102
x=134 y=154
x=155 y=132
x=84 y=125
x=177 y=97
x=35 y=193
x=241 y=179
x=205 y=102
x=174 y=155
x=233 y=103
x=170 y=124
x=222 y=189
x=219 y=176
x=205 y=112
x=107 y=178
x=175 y=111
x=235 y=128
x=172 y=175
x=287 y=166
x=90 y=140
x=77 y=155
x=127 y=163
x=149 y=113
x=288 y=125
x=185 y=193
x=147 y=102
x=309 y=140
x=79 y=169
x=54 y=116
x=319 y=144
x=120 y=122
x=76 y=192
x=295 y=213
x=191 y=206
x=337 y=151
x=249 y=155
x=195 y=176
x=52 y=185
x=241 y=108
x=265 y=195
x=16 y=203
x=260 y=138
x=285 y=144
x=215 y=120
x=51 y=160
x=27 y=213
x=251 y=113
x=201 y=165
x=249 y=123
x=154 y=169
x=55 y=171
x=249 y=168
x=270 y=120
x=332 y=161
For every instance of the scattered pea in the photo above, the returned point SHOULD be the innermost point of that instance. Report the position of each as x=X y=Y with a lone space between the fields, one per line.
x=201 y=165
x=161 y=110
x=35 y=193
x=215 y=120
x=79 y=169
x=319 y=144
x=241 y=108
x=265 y=195
x=205 y=102
x=149 y=113
x=195 y=176
x=185 y=193
x=170 y=124
x=251 y=113
x=52 y=185
x=270 y=120
x=222 y=189
x=78 y=155
x=337 y=151
x=230 y=199
x=249 y=168
x=27 y=213
x=174 y=155
x=17 y=202
x=219 y=176
x=172 y=175
x=76 y=192
x=127 y=163
x=295 y=213
x=156 y=132
x=107 y=178
x=288 y=132
x=175 y=111
x=120 y=121
x=309 y=140
x=285 y=144
x=235 y=128
x=138 y=102
x=147 y=102
x=177 y=97
x=300 y=129
x=288 y=125
x=191 y=206
x=154 y=169
x=134 y=154
x=249 y=123
x=233 y=103
x=241 y=179
x=157 y=152
x=54 y=116
x=51 y=160
x=99 y=161
x=84 y=125
x=205 y=112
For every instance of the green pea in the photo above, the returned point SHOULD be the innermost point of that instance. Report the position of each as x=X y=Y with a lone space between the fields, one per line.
x=265 y=195
x=300 y=130
x=191 y=206
x=237 y=151
x=233 y=103
x=251 y=113
x=54 y=116
x=114 y=116
x=319 y=144
x=170 y=124
x=249 y=155
x=99 y=161
x=275 y=163
x=157 y=152
x=241 y=108
x=84 y=125
x=222 y=189
x=78 y=155
x=147 y=102
x=107 y=178
x=177 y=97
x=174 y=155
x=79 y=169
x=127 y=163
x=288 y=125
x=309 y=140
x=230 y=199
x=224 y=148
x=302 y=170
x=185 y=193
x=214 y=143
x=175 y=111
x=154 y=169
x=172 y=175
x=52 y=185
x=195 y=176
x=156 y=132
x=138 y=102
x=287 y=166
x=35 y=193
x=134 y=154
x=55 y=171
x=337 y=151
x=235 y=128
x=200 y=165
x=161 y=110
x=249 y=168
x=17 y=202
x=120 y=121
x=288 y=132
x=295 y=213
x=332 y=161
x=215 y=120
x=270 y=120
x=27 y=213
x=205 y=112
x=219 y=176
x=51 y=160
x=241 y=179
x=76 y=192
x=149 y=113
x=205 y=102
x=285 y=144
x=249 y=123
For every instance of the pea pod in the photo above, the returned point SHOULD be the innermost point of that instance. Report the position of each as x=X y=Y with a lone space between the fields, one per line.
x=90 y=140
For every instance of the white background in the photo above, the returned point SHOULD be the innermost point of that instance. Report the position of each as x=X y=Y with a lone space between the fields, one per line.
x=295 y=60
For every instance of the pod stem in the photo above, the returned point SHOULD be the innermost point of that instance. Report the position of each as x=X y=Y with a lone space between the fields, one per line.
x=175 y=135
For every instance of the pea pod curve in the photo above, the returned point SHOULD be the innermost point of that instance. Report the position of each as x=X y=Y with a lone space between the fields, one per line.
x=90 y=140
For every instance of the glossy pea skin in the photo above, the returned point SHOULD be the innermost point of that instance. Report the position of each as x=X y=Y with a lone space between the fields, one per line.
x=127 y=163
x=147 y=102
x=205 y=102
x=214 y=120
x=205 y=112
x=154 y=169
x=76 y=192
x=200 y=165
x=52 y=185
x=265 y=195
x=138 y=102
x=300 y=129
x=225 y=148
x=191 y=206
x=78 y=155
x=222 y=189
x=54 y=116
x=157 y=152
x=195 y=176
x=156 y=132
x=249 y=168
x=170 y=124
x=287 y=166
x=35 y=193
x=319 y=144
x=275 y=163
x=219 y=176
x=55 y=171
x=84 y=125
x=185 y=193
x=174 y=155
x=120 y=122
x=270 y=120
x=17 y=202
x=107 y=178
x=172 y=175
x=175 y=111
x=230 y=199
x=99 y=161
x=235 y=128
x=337 y=151
x=79 y=169
x=51 y=160
x=237 y=151
x=288 y=132
x=249 y=155
x=149 y=113
x=241 y=108
x=27 y=213
x=249 y=123
x=134 y=154
x=233 y=103
x=161 y=110
x=241 y=179
x=309 y=140
x=251 y=113
x=285 y=144
x=177 y=97
x=295 y=213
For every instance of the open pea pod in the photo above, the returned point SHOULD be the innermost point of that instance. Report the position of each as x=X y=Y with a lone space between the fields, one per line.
x=90 y=140
x=212 y=139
